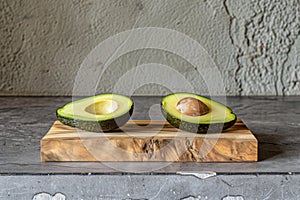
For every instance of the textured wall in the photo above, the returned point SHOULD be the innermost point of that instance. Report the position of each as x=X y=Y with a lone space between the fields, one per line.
x=254 y=43
x=265 y=34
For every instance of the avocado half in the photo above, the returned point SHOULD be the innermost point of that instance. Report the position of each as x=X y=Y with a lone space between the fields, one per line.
x=218 y=117
x=99 y=113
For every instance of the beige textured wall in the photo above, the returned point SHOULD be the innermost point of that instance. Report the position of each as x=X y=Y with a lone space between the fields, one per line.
x=254 y=43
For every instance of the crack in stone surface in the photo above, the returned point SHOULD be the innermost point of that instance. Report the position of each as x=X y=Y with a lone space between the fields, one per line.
x=233 y=197
x=199 y=175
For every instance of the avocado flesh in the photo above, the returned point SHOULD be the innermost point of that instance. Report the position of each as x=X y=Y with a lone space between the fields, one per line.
x=219 y=117
x=99 y=113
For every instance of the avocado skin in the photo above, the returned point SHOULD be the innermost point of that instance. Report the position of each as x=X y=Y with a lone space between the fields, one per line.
x=197 y=128
x=97 y=126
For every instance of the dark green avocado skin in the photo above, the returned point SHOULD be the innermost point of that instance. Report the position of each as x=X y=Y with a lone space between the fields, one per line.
x=97 y=126
x=197 y=128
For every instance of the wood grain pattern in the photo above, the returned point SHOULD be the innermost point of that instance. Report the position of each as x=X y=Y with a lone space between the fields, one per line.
x=143 y=140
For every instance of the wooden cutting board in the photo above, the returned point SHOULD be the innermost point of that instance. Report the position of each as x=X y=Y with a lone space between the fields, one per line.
x=142 y=140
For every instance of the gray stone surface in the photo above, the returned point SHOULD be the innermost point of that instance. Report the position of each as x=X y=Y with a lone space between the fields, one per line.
x=274 y=121
x=173 y=187
x=254 y=43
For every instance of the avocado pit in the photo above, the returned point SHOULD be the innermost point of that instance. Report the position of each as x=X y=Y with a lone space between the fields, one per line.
x=192 y=107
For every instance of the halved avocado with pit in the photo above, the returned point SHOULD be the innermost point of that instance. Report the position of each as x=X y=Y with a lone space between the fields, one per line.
x=195 y=113
x=99 y=113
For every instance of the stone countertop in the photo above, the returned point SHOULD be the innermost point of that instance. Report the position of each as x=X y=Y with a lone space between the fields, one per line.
x=275 y=121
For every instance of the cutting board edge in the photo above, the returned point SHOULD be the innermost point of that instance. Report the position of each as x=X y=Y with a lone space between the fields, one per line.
x=252 y=158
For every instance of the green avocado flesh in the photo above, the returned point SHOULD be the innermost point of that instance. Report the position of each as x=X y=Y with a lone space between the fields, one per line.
x=99 y=113
x=218 y=118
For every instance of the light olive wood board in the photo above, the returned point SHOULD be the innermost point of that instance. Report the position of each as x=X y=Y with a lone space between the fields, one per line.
x=143 y=140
